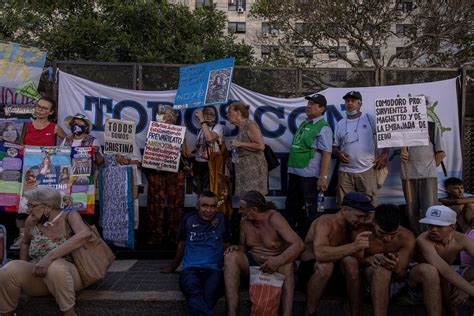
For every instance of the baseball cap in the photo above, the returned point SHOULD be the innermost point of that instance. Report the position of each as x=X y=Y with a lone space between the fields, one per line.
x=317 y=98
x=439 y=215
x=353 y=94
x=359 y=201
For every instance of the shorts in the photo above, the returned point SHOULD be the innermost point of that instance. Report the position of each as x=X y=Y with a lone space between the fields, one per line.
x=251 y=260
x=396 y=287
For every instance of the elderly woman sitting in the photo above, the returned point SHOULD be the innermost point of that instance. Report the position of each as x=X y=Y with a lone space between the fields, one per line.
x=46 y=265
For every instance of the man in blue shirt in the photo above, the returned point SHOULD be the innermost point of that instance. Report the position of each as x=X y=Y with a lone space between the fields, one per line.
x=203 y=236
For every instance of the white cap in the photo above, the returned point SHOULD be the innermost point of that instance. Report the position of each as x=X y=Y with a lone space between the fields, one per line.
x=439 y=215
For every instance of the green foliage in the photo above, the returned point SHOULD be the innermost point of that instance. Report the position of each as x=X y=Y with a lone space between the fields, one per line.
x=127 y=31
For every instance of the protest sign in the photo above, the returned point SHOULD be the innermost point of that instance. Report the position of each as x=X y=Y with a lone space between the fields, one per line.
x=44 y=166
x=119 y=136
x=163 y=146
x=11 y=161
x=10 y=130
x=82 y=179
x=20 y=67
x=12 y=97
x=401 y=122
x=204 y=84
x=19 y=109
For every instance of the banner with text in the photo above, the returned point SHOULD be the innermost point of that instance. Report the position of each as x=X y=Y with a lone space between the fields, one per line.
x=163 y=147
x=277 y=118
x=82 y=180
x=401 y=122
x=11 y=161
x=119 y=137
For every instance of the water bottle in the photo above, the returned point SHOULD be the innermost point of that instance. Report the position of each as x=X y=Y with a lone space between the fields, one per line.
x=320 y=202
x=235 y=155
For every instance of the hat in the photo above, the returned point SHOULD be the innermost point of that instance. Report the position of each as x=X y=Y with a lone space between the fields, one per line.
x=439 y=215
x=359 y=201
x=80 y=116
x=353 y=94
x=317 y=98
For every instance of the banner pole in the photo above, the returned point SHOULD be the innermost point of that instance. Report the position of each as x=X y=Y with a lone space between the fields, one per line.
x=406 y=169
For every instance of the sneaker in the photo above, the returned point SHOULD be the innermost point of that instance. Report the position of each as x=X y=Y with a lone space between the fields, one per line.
x=16 y=243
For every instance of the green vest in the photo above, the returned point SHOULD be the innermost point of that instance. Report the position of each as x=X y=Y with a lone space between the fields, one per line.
x=301 y=151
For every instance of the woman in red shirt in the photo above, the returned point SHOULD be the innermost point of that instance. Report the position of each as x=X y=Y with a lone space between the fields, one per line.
x=40 y=132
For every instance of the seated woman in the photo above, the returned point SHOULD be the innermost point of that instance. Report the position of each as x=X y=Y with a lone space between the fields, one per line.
x=45 y=264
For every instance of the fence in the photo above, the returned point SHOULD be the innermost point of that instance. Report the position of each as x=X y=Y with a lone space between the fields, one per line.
x=290 y=82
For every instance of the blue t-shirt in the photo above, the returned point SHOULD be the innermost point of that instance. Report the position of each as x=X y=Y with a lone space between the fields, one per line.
x=204 y=240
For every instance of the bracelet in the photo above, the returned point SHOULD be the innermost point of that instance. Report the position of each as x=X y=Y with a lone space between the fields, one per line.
x=324 y=177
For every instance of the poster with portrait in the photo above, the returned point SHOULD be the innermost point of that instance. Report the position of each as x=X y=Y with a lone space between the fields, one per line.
x=11 y=162
x=11 y=129
x=82 y=180
x=45 y=166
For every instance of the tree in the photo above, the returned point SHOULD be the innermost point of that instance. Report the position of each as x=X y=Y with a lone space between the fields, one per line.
x=362 y=32
x=125 y=31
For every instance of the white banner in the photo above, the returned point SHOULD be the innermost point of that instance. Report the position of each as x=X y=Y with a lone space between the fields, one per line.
x=278 y=118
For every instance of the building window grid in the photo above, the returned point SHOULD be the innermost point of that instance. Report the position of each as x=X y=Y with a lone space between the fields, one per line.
x=376 y=51
x=236 y=27
x=304 y=51
x=406 y=54
x=269 y=50
x=234 y=5
x=405 y=6
x=341 y=49
x=404 y=29
x=202 y=3
x=267 y=30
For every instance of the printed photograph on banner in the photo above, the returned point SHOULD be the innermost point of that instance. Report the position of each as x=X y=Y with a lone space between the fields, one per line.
x=218 y=86
x=119 y=136
x=10 y=130
x=82 y=180
x=11 y=161
x=401 y=122
x=19 y=109
x=45 y=166
x=163 y=146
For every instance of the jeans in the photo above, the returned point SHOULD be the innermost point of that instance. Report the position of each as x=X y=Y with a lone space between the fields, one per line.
x=202 y=288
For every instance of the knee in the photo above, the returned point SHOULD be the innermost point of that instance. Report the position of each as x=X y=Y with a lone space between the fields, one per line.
x=231 y=260
x=381 y=273
x=429 y=274
x=351 y=267
x=15 y=269
x=323 y=270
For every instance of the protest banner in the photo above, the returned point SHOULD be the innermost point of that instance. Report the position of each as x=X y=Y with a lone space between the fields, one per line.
x=20 y=67
x=119 y=137
x=10 y=96
x=163 y=146
x=278 y=118
x=204 y=84
x=82 y=180
x=19 y=109
x=11 y=129
x=11 y=162
x=401 y=122
x=43 y=166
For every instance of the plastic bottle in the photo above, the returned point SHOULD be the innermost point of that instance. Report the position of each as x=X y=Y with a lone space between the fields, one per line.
x=235 y=155
x=320 y=202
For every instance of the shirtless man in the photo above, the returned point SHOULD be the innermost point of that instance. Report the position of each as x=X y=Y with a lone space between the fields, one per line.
x=390 y=250
x=267 y=240
x=457 y=201
x=438 y=248
x=328 y=243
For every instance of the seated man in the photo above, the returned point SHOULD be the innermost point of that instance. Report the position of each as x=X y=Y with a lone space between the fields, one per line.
x=386 y=259
x=267 y=240
x=328 y=245
x=456 y=200
x=202 y=236
x=438 y=248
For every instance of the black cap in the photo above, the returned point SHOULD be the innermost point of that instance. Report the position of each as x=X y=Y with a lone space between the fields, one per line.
x=353 y=94
x=359 y=201
x=317 y=98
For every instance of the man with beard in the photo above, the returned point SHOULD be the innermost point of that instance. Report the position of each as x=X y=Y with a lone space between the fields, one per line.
x=328 y=249
x=438 y=247
x=386 y=259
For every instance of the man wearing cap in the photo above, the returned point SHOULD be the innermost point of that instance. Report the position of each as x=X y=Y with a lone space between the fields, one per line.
x=328 y=249
x=355 y=145
x=308 y=164
x=438 y=247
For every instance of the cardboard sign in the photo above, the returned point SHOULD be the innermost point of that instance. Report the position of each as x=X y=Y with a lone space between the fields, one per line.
x=204 y=84
x=119 y=136
x=82 y=180
x=401 y=122
x=163 y=146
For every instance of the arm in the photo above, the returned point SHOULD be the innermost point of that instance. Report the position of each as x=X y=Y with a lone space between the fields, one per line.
x=256 y=138
x=382 y=159
x=439 y=156
x=461 y=201
x=25 y=242
x=59 y=132
x=431 y=255
x=208 y=134
x=405 y=254
x=343 y=157
x=177 y=259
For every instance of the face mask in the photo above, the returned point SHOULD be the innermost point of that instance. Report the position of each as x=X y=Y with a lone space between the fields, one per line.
x=78 y=129
x=352 y=113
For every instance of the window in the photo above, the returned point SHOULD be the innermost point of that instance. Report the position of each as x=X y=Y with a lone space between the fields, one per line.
x=268 y=30
x=407 y=54
x=404 y=29
x=304 y=51
x=202 y=3
x=337 y=76
x=234 y=5
x=341 y=49
x=236 y=27
x=269 y=50
x=405 y=6
x=375 y=50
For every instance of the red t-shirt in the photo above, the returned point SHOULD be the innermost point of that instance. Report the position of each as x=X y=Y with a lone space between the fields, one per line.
x=40 y=137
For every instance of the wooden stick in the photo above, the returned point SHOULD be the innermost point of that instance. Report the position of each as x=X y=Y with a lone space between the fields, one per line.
x=407 y=179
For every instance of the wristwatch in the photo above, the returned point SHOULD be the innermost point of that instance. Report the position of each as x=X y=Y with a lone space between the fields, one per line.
x=324 y=177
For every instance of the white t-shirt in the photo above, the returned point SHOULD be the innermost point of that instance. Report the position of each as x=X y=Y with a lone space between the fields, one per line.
x=355 y=137
x=219 y=130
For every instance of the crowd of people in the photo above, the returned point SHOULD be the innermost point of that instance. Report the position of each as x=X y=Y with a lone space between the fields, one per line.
x=363 y=245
